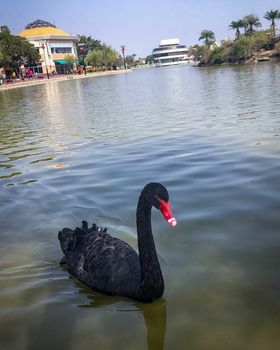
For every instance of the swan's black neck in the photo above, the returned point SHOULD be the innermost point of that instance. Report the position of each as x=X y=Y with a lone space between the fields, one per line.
x=152 y=284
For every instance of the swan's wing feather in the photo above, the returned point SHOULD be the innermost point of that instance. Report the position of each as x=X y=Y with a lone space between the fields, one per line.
x=102 y=262
x=112 y=265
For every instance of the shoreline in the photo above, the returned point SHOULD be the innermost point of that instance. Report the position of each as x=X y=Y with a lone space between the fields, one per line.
x=26 y=83
x=272 y=56
x=234 y=64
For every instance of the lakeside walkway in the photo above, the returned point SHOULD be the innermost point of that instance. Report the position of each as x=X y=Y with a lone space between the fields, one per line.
x=19 y=83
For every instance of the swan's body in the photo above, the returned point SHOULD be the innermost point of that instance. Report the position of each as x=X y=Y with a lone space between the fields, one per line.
x=111 y=266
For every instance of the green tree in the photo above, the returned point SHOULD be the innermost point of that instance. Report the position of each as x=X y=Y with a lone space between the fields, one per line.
x=272 y=15
x=149 y=59
x=216 y=56
x=85 y=45
x=241 y=49
x=208 y=36
x=200 y=52
x=237 y=25
x=102 y=57
x=222 y=54
x=196 y=51
x=1 y=56
x=5 y=29
x=94 y=58
x=130 y=60
x=70 y=60
x=109 y=56
x=119 y=61
x=250 y=22
x=259 y=40
x=16 y=51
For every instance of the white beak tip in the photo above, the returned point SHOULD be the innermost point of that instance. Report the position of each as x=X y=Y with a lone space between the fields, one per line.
x=172 y=222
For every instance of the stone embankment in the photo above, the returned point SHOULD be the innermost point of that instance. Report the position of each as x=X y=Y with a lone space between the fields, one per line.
x=17 y=83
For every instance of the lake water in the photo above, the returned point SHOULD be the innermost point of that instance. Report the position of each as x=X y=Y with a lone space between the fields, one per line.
x=84 y=149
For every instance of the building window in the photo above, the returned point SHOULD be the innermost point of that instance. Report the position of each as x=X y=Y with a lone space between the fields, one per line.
x=61 y=50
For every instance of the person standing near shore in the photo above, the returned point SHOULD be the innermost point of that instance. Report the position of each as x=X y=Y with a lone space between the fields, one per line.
x=2 y=76
x=30 y=74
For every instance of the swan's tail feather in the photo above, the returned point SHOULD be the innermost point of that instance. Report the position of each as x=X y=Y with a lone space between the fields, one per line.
x=73 y=240
x=93 y=229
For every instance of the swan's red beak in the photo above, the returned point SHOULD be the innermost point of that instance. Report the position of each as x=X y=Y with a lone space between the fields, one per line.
x=167 y=213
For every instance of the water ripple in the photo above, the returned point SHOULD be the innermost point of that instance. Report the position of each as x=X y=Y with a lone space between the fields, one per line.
x=83 y=150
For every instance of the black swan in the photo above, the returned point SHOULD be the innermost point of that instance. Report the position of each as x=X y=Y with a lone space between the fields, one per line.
x=111 y=266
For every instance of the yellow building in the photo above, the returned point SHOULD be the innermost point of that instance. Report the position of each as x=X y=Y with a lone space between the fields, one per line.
x=53 y=44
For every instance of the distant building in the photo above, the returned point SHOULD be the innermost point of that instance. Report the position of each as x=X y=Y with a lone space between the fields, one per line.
x=225 y=40
x=170 y=52
x=53 y=44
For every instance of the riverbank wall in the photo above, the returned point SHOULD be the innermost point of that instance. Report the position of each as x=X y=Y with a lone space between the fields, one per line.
x=20 y=84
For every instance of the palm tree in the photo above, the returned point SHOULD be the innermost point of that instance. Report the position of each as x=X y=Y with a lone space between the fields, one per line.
x=208 y=36
x=272 y=15
x=236 y=25
x=251 y=21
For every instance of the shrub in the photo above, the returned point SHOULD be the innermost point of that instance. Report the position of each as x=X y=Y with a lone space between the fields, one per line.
x=260 y=40
x=216 y=56
x=241 y=49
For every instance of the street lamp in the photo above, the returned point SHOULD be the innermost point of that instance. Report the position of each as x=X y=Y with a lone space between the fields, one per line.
x=123 y=50
x=82 y=54
x=43 y=47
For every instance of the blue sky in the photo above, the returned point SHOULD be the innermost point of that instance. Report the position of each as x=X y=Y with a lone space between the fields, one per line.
x=139 y=25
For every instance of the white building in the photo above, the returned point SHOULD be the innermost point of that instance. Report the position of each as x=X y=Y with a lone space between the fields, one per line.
x=170 y=52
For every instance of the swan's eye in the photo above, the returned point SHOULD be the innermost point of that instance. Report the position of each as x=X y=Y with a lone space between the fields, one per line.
x=156 y=202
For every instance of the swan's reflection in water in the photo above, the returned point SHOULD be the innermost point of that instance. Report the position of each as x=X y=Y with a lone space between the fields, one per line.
x=155 y=319
x=154 y=313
